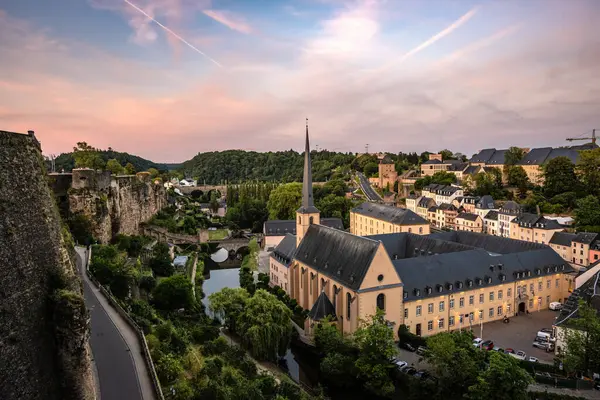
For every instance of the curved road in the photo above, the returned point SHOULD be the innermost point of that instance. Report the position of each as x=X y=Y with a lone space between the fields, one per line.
x=111 y=342
x=371 y=194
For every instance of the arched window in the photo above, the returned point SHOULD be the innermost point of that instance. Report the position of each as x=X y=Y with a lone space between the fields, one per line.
x=310 y=220
x=299 y=220
x=348 y=305
x=335 y=298
x=381 y=301
x=322 y=284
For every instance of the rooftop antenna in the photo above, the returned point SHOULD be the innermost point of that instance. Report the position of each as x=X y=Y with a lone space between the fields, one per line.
x=367 y=148
x=592 y=138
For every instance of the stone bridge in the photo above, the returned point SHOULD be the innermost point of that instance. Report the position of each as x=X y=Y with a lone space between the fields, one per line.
x=232 y=245
x=204 y=188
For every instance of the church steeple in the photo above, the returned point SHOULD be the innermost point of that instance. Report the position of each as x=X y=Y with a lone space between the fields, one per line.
x=307 y=214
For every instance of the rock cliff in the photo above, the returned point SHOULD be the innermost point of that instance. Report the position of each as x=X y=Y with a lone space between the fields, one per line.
x=44 y=325
x=114 y=204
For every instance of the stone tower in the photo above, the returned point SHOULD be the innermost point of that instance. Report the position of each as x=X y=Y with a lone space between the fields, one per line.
x=307 y=214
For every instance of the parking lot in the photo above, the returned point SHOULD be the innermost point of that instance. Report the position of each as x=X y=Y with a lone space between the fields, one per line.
x=519 y=333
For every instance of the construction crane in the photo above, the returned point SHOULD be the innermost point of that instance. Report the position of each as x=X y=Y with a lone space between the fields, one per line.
x=593 y=138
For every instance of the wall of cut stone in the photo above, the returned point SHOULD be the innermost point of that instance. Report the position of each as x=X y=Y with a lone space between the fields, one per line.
x=44 y=327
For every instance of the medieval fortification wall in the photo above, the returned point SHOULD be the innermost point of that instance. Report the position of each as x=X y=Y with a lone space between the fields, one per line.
x=44 y=325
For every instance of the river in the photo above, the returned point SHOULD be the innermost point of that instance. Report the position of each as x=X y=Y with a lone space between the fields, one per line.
x=221 y=278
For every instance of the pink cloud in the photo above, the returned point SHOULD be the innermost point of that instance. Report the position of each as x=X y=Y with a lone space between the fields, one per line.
x=230 y=20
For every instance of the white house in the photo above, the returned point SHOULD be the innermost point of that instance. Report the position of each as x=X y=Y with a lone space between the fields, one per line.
x=187 y=182
x=506 y=214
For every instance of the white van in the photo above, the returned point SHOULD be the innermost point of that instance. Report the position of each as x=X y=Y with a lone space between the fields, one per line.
x=544 y=335
x=555 y=305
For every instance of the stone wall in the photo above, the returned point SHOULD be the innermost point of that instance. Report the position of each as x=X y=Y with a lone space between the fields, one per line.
x=119 y=207
x=44 y=325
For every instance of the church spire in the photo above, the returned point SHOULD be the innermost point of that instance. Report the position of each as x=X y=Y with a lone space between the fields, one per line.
x=308 y=204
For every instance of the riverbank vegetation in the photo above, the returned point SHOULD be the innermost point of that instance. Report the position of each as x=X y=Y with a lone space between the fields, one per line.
x=192 y=361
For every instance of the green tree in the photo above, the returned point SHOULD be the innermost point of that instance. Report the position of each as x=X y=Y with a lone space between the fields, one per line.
x=129 y=169
x=587 y=212
x=513 y=156
x=582 y=350
x=173 y=293
x=114 y=167
x=371 y=169
x=440 y=178
x=228 y=304
x=214 y=202
x=518 y=177
x=86 y=156
x=160 y=263
x=265 y=326
x=284 y=201
x=446 y=154
x=588 y=168
x=168 y=369
x=503 y=379
x=559 y=177
x=153 y=172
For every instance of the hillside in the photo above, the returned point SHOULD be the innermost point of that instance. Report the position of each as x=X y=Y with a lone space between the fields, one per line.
x=65 y=161
x=235 y=166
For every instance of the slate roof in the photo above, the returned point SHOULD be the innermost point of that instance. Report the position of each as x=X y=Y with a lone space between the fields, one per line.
x=412 y=196
x=424 y=202
x=454 y=272
x=394 y=215
x=483 y=156
x=493 y=244
x=434 y=161
x=447 y=207
x=485 y=203
x=468 y=216
x=471 y=169
x=339 y=255
x=409 y=245
x=585 y=237
x=562 y=238
x=432 y=209
x=387 y=160
x=536 y=221
x=587 y=292
x=492 y=215
x=284 y=252
x=510 y=207
x=497 y=158
x=322 y=309
x=458 y=166
x=542 y=155
x=279 y=227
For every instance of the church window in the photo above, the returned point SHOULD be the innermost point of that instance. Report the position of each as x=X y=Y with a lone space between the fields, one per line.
x=381 y=301
x=310 y=220
x=299 y=220
x=380 y=278
x=348 y=305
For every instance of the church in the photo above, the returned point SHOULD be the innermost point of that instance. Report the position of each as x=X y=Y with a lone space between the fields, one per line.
x=430 y=283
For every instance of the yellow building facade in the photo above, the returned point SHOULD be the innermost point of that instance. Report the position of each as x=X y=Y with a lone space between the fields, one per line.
x=375 y=219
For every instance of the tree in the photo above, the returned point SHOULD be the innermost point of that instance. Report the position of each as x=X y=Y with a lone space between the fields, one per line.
x=440 y=178
x=153 y=172
x=265 y=326
x=582 y=350
x=588 y=168
x=587 y=212
x=214 y=203
x=513 y=155
x=247 y=277
x=559 y=177
x=160 y=263
x=284 y=201
x=114 y=167
x=228 y=304
x=147 y=283
x=503 y=379
x=86 y=156
x=446 y=154
x=129 y=169
x=371 y=169
x=173 y=293
x=375 y=342
x=168 y=369
x=518 y=177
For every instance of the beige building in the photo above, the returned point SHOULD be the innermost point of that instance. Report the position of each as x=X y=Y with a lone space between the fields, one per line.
x=412 y=201
x=442 y=193
x=423 y=205
x=375 y=219
x=445 y=216
x=469 y=222
x=506 y=214
x=533 y=228
x=280 y=260
x=490 y=223
x=387 y=174
x=576 y=248
x=276 y=230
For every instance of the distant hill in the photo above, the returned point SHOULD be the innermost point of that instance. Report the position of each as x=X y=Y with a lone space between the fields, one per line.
x=236 y=166
x=65 y=161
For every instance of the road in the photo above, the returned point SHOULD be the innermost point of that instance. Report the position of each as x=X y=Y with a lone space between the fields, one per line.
x=115 y=347
x=371 y=194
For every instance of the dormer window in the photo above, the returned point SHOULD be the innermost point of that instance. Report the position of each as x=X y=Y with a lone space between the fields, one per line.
x=405 y=295
x=518 y=275
x=489 y=280
x=528 y=273
x=450 y=286
x=470 y=283
x=428 y=289
x=440 y=288
x=460 y=285
x=562 y=267
x=417 y=292
x=555 y=268
x=502 y=277
x=479 y=281
x=538 y=271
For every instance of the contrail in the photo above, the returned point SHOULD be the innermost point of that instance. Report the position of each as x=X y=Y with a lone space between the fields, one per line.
x=191 y=46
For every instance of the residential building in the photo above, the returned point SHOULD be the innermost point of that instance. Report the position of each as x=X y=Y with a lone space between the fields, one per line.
x=275 y=230
x=469 y=222
x=506 y=214
x=423 y=205
x=432 y=216
x=581 y=245
x=458 y=168
x=468 y=203
x=437 y=164
x=595 y=252
x=490 y=223
x=533 y=228
x=442 y=193
x=387 y=174
x=373 y=219
x=188 y=182
x=484 y=205
x=561 y=243
x=445 y=215
x=411 y=202
x=280 y=260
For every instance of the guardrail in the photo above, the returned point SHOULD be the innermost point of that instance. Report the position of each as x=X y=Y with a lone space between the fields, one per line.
x=131 y=322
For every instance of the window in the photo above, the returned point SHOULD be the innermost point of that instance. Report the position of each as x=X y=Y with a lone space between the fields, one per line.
x=348 y=305
x=548 y=283
x=381 y=301
x=499 y=310
x=480 y=314
x=509 y=292
x=547 y=299
x=451 y=321
x=461 y=302
x=451 y=305
x=471 y=316
x=442 y=306
x=481 y=299
x=491 y=312
x=508 y=309
x=491 y=296
x=530 y=303
x=499 y=294
x=556 y=284
x=471 y=300
x=540 y=285
x=406 y=313
x=418 y=311
x=531 y=287
x=430 y=325
x=441 y=323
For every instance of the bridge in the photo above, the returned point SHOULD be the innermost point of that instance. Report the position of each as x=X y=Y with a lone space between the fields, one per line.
x=203 y=188
x=232 y=245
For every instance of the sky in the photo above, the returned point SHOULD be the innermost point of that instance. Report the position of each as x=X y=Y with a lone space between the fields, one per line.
x=167 y=79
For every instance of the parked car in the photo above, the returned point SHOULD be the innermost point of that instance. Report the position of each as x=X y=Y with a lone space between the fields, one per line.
x=421 y=350
x=520 y=355
x=509 y=351
x=409 y=371
x=487 y=345
x=477 y=342
x=533 y=359
x=407 y=346
x=544 y=374
x=498 y=349
x=400 y=364
x=422 y=374
x=544 y=345
x=555 y=305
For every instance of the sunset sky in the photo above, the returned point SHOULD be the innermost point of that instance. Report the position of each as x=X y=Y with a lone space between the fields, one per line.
x=401 y=75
